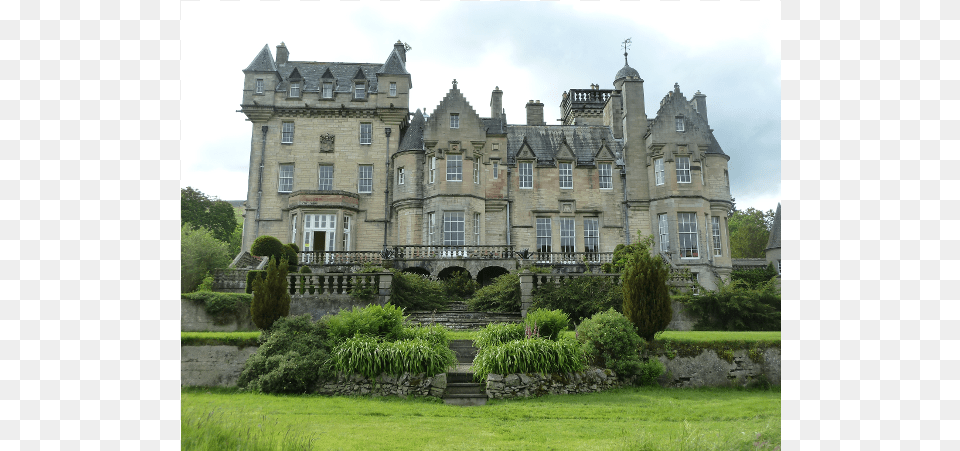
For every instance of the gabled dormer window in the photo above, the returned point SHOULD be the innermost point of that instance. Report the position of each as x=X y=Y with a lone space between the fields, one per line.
x=327 y=90
x=679 y=123
x=359 y=90
x=294 y=89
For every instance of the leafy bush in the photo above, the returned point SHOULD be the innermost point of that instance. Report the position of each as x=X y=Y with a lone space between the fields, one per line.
x=207 y=284
x=373 y=320
x=533 y=355
x=435 y=334
x=252 y=275
x=736 y=306
x=580 y=297
x=294 y=247
x=503 y=295
x=548 y=322
x=271 y=296
x=292 y=356
x=414 y=292
x=459 y=286
x=223 y=307
x=370 y=356
x=200 y=254
x=498 y=333
x=649 y=371
x=754 y=277
x=610 y=340
x=267 y=246
x=365 y=288
x=646 y=297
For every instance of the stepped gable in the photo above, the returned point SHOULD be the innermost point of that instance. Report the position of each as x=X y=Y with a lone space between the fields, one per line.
x=263 y=62
x=545 y=141
x=674 y=103
x=774 y=241
x=413 y=136
x=314 y=73
x=453 y=96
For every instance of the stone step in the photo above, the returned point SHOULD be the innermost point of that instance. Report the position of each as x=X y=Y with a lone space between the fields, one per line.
x=465 y=400
x=464 y=388
x=456 y=377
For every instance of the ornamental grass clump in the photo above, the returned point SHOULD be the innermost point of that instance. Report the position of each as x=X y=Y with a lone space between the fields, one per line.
x=371 y=357
x=533 y=355
x=498 y=333
x=549 y=323
x=373 y=320
x=435 y=334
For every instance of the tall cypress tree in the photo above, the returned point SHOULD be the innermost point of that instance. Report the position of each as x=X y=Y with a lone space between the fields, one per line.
x=271 y=296
x=646 y=298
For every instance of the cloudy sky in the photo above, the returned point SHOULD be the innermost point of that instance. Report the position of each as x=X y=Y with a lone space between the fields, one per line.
x=532 y=50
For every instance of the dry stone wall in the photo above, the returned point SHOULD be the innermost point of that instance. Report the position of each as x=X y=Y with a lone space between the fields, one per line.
x=711 y=370
x=212 y=366
x=525 y=385
x=402 y=385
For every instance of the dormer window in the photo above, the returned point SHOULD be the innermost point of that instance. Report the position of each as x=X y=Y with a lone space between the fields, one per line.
x=259 y=86
x=359 y=90
x=294 y=89
x=454 y=120
x=679 y=123
x=328 y=90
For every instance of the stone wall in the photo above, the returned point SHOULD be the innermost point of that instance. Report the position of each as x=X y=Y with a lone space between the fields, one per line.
x=710 y=370
x=318 y=306
x=194 y=318
x=402 y=385
x=681 y=320
x=212 y=366
x=527 y=385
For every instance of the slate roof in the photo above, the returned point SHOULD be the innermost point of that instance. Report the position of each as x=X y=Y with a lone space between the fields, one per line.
x=263 y=62
x=413 y=137
x=544 y=141
x=493 y=125
x=774 y=241
x=393 y=65
x=626 y=71
x=312 y=72
x=714 y=145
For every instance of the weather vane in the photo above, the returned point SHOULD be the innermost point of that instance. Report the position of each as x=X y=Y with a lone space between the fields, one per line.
x=626 y=46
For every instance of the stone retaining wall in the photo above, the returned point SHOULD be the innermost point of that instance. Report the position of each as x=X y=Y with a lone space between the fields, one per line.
x=710 y=370
x=527 y=385
x=194 y=317
x=212 y=366
x=403 y=385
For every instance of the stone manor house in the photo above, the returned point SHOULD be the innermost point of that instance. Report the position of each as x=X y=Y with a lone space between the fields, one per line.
x=342 y=167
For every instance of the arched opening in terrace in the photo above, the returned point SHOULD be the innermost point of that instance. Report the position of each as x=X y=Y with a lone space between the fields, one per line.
x=486 y=275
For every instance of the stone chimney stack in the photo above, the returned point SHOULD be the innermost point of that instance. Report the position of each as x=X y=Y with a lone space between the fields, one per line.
x=282 y=54
x=700 y=104
x=496 y=103
x=535 y=113
x=402 y=50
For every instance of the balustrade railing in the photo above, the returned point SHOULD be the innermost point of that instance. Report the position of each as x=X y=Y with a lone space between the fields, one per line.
x=571 y=258
x=341 y=257
x=419 y=252
x=319 y=284
x=543 y=279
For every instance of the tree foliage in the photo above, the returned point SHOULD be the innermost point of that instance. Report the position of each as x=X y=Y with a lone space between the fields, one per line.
x=580 y=297
x=749 y=231
x=215 y=215
x=271 y=295
x=736 y=306
x=754 y=277
x=646 y=297
x=200 y=253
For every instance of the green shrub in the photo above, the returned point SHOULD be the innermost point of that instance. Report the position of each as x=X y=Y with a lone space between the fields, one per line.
x=549 y=323
x=435 y=334
x=610 y=340
x=459 y=286
x=736 y=306
x=413 y=292
x=373 y=320
x=292 y=356
x=223 y=307
x=503 y=295
x=267 y=246
x=649 y=371
x=580 y=297
x=207 y=284
x=498 y=333
x=294 y=247
x=754 y=277
x=252 y=275
x=365 y=288
x=290 y=253
x=533 y=355
x=200 y=254
x=371 y=357
x=646 y=297
x=271 y=296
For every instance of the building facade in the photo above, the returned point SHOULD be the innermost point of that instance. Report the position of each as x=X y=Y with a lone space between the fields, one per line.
x=339 y=164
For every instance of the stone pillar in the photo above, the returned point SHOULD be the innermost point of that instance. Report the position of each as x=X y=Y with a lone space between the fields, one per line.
x=526 y=292
x=385 y=280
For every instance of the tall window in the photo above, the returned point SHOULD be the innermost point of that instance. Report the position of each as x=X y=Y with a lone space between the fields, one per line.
x=400 y=176
x=658 y=170
x=293 y=227
x=326 y=177
x=286 y=133
x=664 y=233
x=568 y=236
x=566 y=175
x=716 y=236
x=476 y=227
x=680 y=123
x=365 y=179
x=544 y=237
x=476 y=171
x=393 y=89
x=431 y=226
x=328 y=90
x=454 y=168
x=687 y=227
x=366 y=133
x=526 y=175
x=454 y=120
x=345 y=246
x=591 y=235
x=496 y=169
x=359 y=90
x=259 y=86
x=286 y=178
x=683 y=169
x=294 y=89
x=606 y=175
x=433 y=169
x=453 y=228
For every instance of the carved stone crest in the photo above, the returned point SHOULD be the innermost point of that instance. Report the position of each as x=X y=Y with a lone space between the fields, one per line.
x=326 y=142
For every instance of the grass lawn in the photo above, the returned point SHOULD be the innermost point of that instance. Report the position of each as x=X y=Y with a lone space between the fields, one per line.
x=626 y=419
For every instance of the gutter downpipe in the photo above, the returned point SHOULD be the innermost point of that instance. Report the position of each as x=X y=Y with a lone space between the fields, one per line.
x=626 y=208
x=263 y=151
x=509 y=173
x=386 y=191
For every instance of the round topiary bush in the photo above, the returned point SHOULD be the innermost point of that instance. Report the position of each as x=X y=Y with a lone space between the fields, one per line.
x=266 y=246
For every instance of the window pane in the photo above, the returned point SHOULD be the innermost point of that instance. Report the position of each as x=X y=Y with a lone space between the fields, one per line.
x=453 y=228
x=591 y=235
x=683 y=170
x=454 y=168
x=566 y=175
x=687 y=226
x=664 y=233
x=495 y=169
x=526 y=175
x=658 y=170
x=327 y=90
x=393 y=89
x=326 y=177
x=259 y=86
x=433 y=169
x=454 y=120
x=606 y=176
x=366 y=179
x=358 y=91
x=286 y=136
x=366 y=133
x=544 y=238
x=286 y=178
x=567 y=235
x=716 y=236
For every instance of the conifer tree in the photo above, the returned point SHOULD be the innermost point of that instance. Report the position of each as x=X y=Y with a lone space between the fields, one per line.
x=271 y=297
x=646 y=298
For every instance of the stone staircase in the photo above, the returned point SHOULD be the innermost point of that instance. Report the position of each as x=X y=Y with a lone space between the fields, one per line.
x=461 y=388
x=457 y=316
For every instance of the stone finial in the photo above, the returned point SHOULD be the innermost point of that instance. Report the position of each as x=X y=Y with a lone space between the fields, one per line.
x=454 y=83
x=676 y=87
